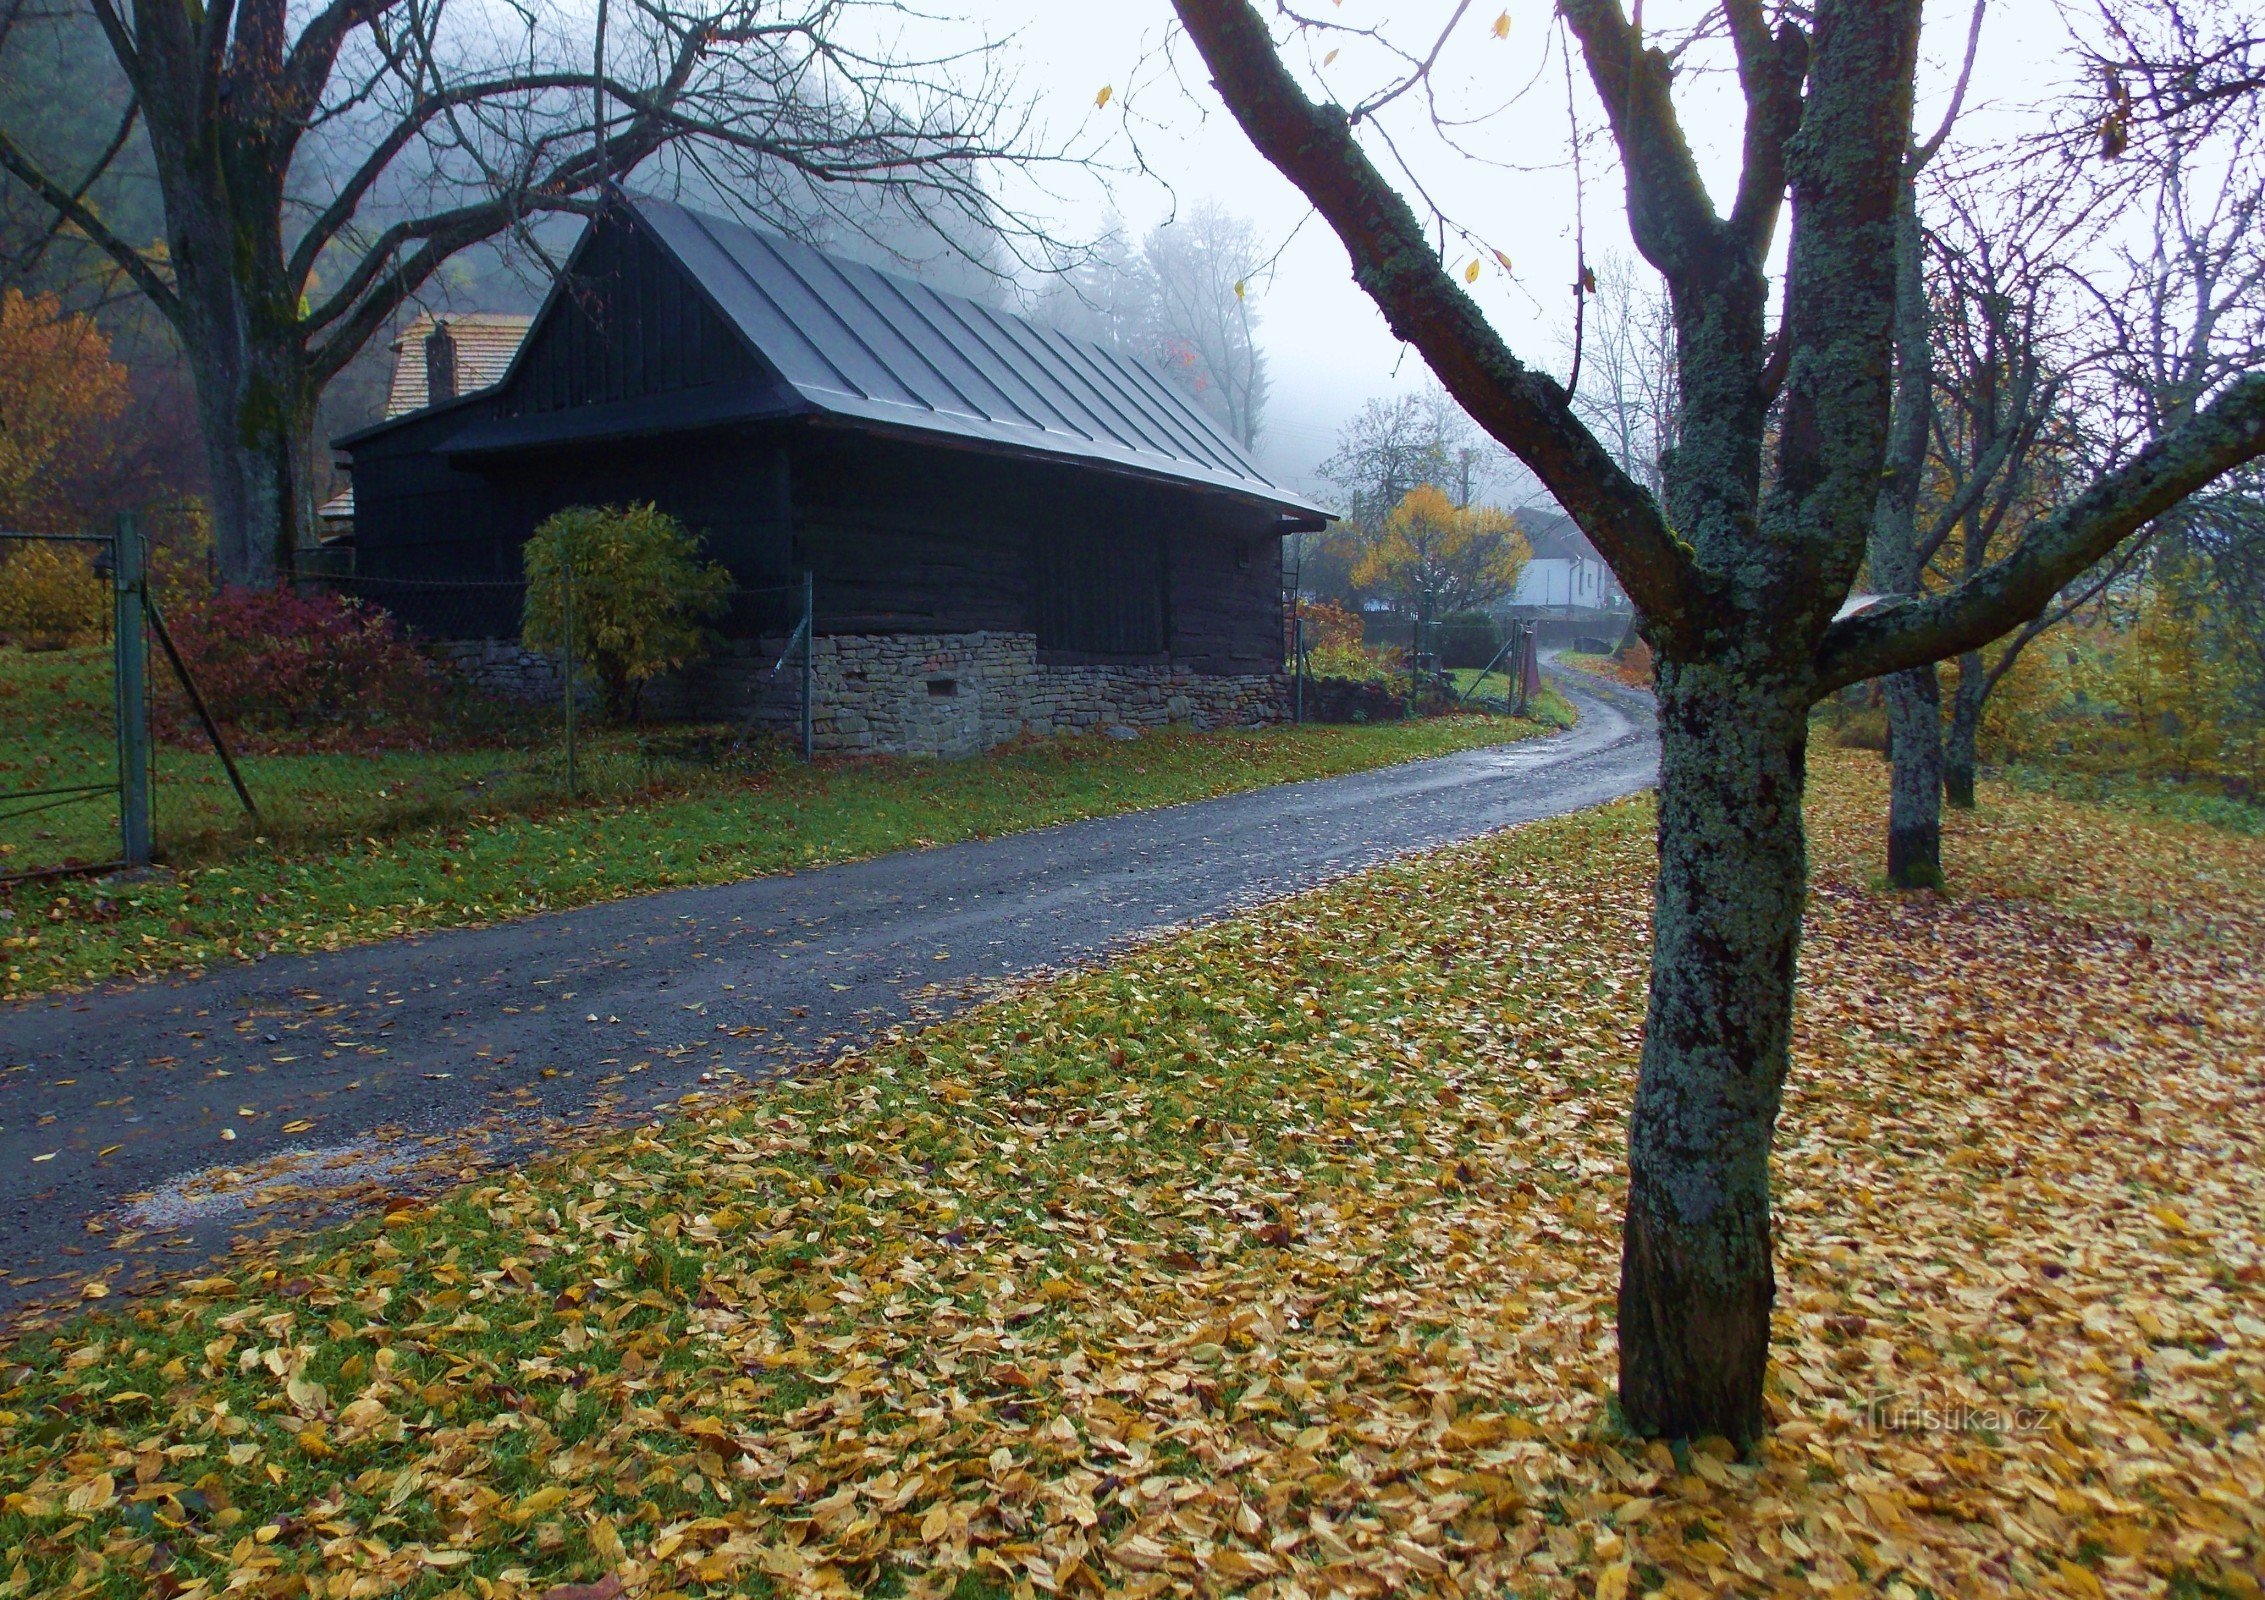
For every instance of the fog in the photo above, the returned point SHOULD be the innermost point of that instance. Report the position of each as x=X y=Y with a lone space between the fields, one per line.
x=1165 y=142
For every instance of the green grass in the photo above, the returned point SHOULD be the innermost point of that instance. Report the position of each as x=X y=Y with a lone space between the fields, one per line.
x=1548 y=704
x=2205 y=801
x=57 y=727
x=361 y=847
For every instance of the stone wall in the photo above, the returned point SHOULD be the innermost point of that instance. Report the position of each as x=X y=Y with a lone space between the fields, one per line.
x=504 y=667
x=931 y=694
x=953 y=694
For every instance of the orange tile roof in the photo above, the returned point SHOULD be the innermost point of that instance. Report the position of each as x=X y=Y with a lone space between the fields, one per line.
x=485 y=343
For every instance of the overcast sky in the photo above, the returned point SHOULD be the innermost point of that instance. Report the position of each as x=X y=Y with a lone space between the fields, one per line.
x=1327 y=348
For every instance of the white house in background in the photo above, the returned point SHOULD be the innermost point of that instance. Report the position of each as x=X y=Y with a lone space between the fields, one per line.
x=1566 y=577
x=436 y=358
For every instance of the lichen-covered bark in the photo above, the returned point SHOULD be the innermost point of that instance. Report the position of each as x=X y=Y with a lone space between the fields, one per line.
x=1965 y=729
x=1915 y=787
x=1914 y=698
x=1696 y=1283
x=1739 y=582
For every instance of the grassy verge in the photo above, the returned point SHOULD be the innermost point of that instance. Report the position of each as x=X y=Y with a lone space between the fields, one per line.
x=2202 y=801
x=370 y=847
x=1620 y=672
x=1279 y=1258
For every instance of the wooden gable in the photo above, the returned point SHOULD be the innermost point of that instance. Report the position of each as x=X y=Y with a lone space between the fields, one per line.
x=623 y=323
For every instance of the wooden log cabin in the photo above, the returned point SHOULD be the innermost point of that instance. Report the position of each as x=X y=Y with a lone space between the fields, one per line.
x=1006 y=529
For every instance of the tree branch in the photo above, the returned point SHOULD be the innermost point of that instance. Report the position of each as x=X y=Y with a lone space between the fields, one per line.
x=1313 y=146
x=1669 y=214
x=1770 y=70
x=413 y=122
x=2010 y=591
x=69 y=206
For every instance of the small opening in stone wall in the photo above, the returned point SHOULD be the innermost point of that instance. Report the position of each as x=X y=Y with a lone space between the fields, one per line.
x=943 y=688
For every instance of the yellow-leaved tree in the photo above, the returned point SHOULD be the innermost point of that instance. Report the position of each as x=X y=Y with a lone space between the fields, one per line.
x=60 y=394
x=1432 y=556
x=639 y=595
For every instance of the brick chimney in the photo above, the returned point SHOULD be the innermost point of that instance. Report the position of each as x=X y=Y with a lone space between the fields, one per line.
x=440 y=365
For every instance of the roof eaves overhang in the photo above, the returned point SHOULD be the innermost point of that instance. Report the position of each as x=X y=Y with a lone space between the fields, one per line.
x=647 y=416
x=347 y=441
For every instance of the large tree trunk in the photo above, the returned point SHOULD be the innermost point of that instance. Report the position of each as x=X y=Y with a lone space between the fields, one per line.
x=1965 y=728
x=256 y=404
x=1915 y=792
x=258 y=431
x=1695 y=1277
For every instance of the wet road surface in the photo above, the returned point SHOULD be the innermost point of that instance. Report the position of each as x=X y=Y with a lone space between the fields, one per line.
x=372 y=1063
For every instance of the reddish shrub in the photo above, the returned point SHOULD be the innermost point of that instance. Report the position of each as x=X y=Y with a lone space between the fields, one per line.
x=270 y=661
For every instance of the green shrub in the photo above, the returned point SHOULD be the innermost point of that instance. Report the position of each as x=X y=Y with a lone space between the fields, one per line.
x=640 y=593
x=1467 y=639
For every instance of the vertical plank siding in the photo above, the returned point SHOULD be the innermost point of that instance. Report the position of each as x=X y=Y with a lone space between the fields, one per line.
x=905 y=531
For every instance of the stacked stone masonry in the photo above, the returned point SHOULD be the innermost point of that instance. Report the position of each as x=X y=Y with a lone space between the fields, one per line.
x=953 y=694
x=504 y=667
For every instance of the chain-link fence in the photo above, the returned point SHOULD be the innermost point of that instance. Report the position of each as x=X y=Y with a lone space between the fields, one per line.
x=74 y=748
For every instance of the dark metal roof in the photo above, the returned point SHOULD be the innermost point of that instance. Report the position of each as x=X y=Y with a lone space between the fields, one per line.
x=862 y=347
x=858 y=342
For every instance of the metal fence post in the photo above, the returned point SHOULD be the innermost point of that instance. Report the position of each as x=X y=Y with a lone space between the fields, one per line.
x=130 y=653
x=566 y=607
x=809 y=657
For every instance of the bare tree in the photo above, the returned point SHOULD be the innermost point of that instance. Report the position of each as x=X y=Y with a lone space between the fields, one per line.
x=1770 y=497
x=2162 y=74
x=1914 y=695
x=1185 y=300
x=1627 y=393
x=1200 y=268
x=2024 y=409
x=2004 y=443
x=1401 y=442
x=317 y=166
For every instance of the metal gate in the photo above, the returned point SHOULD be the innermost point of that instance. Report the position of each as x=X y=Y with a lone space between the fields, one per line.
x=120 y=558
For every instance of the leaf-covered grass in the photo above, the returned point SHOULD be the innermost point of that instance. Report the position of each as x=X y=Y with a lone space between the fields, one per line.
x=1279 y=1257
x=1634 y=675
x=2201 y=800
x=366 y=846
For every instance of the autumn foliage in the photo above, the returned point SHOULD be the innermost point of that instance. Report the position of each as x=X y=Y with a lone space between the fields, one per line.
x=59 y=394
x=273 y=663
x=50 y=595
x=1434 y=556
x=640 y=593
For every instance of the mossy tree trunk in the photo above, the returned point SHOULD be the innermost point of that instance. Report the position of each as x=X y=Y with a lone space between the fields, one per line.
x=256 y=404
x=1695 y=1277
x=1965 y=730
x=1739 y=577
